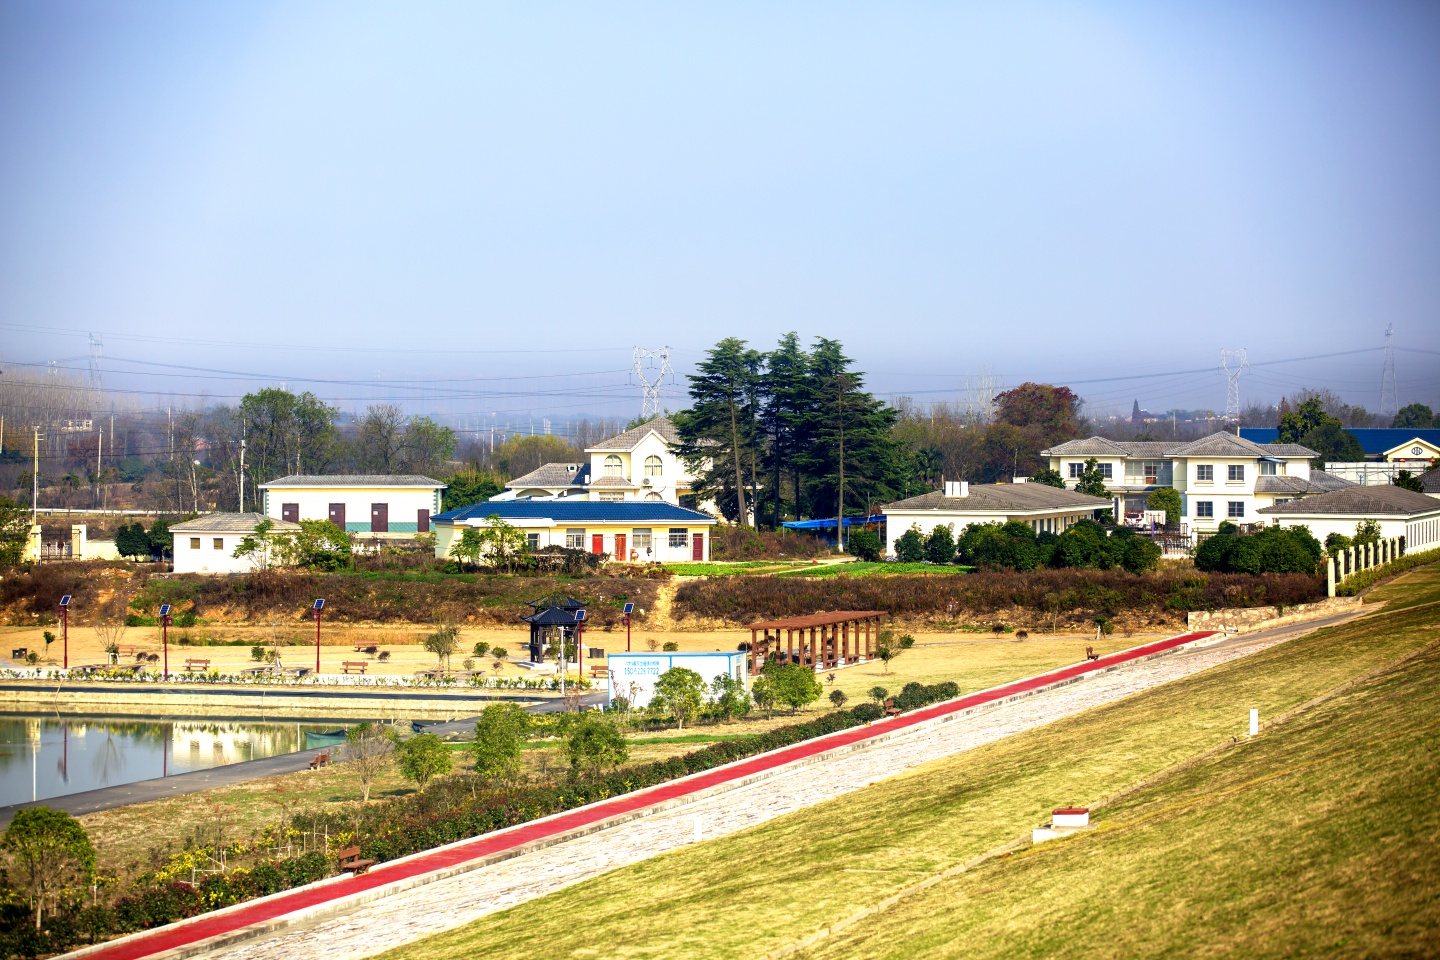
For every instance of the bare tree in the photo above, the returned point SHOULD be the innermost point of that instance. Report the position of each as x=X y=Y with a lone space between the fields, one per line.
x=369 y=750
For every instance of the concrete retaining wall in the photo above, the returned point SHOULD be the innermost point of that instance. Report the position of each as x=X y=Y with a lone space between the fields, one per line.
x=1250 y=617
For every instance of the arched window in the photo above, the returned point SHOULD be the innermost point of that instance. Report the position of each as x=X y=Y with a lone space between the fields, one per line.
x=614 y=466
x=653 y=496
x=654 y=467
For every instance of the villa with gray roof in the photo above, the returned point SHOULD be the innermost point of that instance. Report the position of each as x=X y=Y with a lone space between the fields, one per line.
x=638 y=464
x=1399 y=512
x=1220 y=477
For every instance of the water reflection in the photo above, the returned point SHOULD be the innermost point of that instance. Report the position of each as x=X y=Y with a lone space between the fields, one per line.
x=50 y=756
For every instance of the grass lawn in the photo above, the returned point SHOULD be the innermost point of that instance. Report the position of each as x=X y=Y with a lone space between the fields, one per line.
x=737 y=568
x=1317 y=837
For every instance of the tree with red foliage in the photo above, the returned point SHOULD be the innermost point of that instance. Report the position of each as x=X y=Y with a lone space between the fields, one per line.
x=1054 y=411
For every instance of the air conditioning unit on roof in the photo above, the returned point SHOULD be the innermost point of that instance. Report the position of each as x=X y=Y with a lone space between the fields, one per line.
x=646 y=482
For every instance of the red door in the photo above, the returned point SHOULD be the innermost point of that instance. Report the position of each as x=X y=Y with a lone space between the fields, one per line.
x=620 y=546
x=379 y=518
x=597 y=543
x=697 y=546
x=337 y=515
x=290 y=511
x=422 y=520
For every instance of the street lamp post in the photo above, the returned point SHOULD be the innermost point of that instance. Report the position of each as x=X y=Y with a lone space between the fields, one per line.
x=629 y=609
x=65 y=627
x=165 y=638
x=319 y=605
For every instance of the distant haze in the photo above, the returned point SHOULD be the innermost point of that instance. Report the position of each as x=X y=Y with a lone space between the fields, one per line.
x=410 y=201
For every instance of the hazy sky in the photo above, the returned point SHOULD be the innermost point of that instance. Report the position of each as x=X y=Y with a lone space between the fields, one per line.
x=399 y=192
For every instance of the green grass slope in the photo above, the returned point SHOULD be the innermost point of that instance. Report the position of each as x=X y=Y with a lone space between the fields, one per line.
x=1167 y=873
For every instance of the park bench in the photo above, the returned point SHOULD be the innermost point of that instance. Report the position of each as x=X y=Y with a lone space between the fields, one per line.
x=126 y=650
x=890 y=709
x=1090 y=654
x=599 y=673
x=322 y=759
x=367 y=648
x=193 y=665
x=350 y=861
x=353 y=666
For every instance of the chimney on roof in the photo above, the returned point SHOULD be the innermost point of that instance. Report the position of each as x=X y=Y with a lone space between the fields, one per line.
x=957 y=488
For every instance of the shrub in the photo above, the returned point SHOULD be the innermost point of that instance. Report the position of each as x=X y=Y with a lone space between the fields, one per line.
x=910 y=546
x=940 y=545
x=424 y=757
x=1272 y=550
x=865 y=545
x=670 y=646
x=866 y=712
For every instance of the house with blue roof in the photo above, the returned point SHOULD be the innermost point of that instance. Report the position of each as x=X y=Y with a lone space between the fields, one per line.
x=1388 y=450
x=639 y=531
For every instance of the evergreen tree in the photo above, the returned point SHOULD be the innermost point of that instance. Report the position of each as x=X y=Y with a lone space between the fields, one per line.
x=852 y=458
x=782 y=418
x=718 y=434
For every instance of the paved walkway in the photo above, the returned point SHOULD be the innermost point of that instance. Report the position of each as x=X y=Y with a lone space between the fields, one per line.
x=245 y=922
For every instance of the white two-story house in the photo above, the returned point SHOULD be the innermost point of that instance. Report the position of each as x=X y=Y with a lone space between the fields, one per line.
x=1220 y=477
x=639 y=464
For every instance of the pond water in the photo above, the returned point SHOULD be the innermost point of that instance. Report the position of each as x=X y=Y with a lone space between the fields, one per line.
x=52 y=756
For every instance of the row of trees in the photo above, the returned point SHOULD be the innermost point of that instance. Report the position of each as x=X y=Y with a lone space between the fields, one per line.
x=793 y=433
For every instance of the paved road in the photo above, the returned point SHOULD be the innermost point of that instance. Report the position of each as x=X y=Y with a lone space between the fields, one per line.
x=106 y=798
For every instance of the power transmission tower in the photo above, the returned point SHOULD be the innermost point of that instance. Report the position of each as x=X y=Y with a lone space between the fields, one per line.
x=97 y=375
x=650 y=369
x=1232 y=364
x=1389 y=396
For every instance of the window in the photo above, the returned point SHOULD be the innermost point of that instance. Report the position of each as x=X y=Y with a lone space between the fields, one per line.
x=575 y=539
x=679 y=538
x=1235 y=473
x=194 y=543
x=654 y=467
x=532 y=540
x=1107 y=470
x=1075 y=470
x=641 y=539
x=1236 y=510
x=1280 y=500
x=1267 y=468
x=614 y=466
x=652 y=495
x=1204 y=509
x=1204 y=473
x=612 y=495
x=219 y=543
x=1153 y=471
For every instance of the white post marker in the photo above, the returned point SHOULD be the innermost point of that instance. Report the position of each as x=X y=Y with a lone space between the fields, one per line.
x=697 y=829
x=1254 y=722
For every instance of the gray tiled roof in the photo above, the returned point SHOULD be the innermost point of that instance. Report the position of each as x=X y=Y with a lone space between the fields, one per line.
x=1288 y=450
x=1088 y=447
x=553 y=475
x=354 y=480
x=1360 y=501
x=1299 y=486
x=611 y=482
x=632 y=437
x=993 y=497
x=1220 y=445
x=231 y=523
x=1430 y=480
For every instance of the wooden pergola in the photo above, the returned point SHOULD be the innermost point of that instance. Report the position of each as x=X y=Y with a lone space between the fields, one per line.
x=819 y=640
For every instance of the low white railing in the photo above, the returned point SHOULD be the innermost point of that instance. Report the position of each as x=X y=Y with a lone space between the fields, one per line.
x=1343 y=564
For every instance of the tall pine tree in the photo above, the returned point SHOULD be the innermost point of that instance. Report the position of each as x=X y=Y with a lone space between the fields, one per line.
x=719 y=433
x=786 y=387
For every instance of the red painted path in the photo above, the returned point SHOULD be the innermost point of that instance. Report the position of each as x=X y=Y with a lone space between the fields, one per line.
x=183 y=934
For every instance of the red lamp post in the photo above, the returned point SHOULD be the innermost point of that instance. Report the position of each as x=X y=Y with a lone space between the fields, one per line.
x=165 y=638
x=65 y=627
x=629 y=608
x=319 y=605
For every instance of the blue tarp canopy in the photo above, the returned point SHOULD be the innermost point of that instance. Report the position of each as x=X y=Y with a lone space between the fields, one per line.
x=829 y=522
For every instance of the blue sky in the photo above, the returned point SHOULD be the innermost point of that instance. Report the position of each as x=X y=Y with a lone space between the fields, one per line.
x=465 y=196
